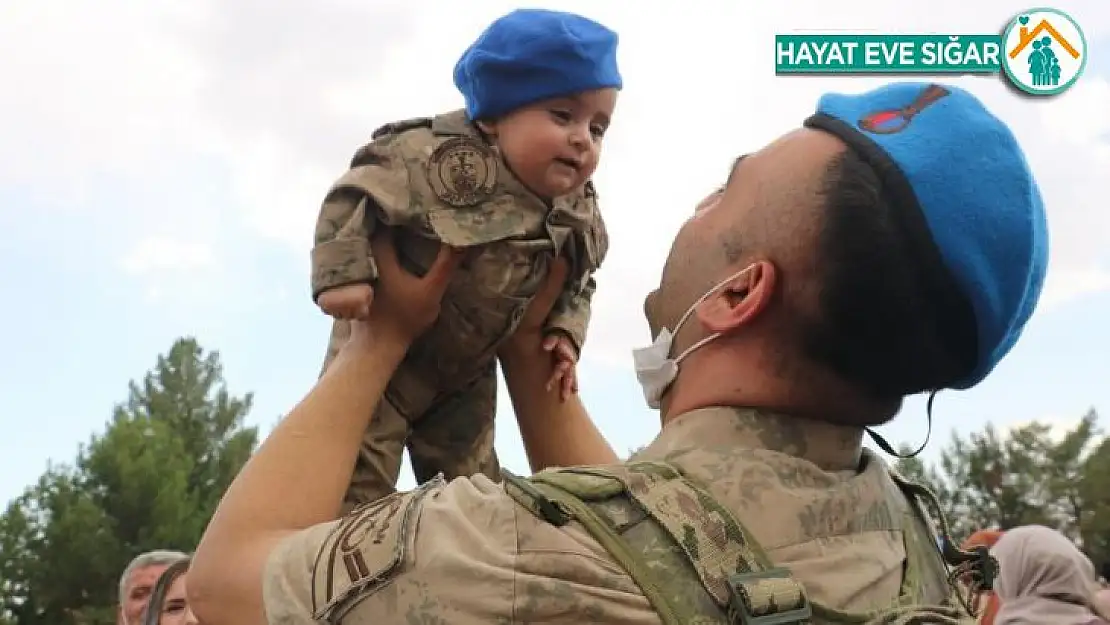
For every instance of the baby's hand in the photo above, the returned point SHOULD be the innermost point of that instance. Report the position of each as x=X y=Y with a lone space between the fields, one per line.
x=564 y=356
x=347 y=302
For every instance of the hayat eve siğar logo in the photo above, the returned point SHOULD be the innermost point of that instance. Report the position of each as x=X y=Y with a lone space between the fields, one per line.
x=1044 y=51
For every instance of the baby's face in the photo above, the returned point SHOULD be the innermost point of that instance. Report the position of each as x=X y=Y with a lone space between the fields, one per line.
x=553 y=146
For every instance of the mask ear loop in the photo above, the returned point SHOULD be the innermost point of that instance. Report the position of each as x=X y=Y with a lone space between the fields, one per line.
x=885 y=446
x=690 y=311
x=686 y=352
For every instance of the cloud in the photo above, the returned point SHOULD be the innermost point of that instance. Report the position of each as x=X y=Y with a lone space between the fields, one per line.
x=167 y=265
x=280 y=94
x=161 y=255
x=1067 y=146
x=1064 y=286
x=92 y=90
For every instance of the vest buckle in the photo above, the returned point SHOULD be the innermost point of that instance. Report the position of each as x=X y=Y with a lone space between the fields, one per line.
x=770 y=597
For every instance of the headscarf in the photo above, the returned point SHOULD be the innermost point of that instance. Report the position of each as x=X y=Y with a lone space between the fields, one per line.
x=985 y=538
x=1043 y=579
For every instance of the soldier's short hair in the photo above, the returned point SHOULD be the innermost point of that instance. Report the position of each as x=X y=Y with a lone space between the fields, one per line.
x=890 y=319
x=160 y=557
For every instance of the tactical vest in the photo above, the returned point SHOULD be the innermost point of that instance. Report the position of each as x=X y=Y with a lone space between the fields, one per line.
x=697 y=564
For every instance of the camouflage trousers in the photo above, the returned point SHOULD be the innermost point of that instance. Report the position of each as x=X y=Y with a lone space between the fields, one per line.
x=450 y=433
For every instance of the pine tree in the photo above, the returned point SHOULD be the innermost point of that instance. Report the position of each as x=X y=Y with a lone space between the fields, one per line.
x=151 y=480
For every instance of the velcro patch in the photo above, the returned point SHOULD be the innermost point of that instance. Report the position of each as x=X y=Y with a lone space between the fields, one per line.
x=365 y=551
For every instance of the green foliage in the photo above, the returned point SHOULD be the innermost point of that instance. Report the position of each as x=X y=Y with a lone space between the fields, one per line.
x=1026 y=475
x=151 y=480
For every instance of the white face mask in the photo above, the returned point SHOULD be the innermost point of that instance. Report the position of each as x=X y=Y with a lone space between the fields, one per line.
x=655 y=369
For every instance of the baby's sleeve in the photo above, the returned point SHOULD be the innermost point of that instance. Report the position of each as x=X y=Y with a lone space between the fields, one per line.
x=350 y=214
x=571 y=313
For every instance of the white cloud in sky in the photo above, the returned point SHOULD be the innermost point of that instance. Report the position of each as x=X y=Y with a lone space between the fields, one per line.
x=157 y=255
x=167 y=265
x=279 y=95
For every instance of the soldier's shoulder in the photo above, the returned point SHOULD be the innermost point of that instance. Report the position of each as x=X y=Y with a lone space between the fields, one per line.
x=389 y=540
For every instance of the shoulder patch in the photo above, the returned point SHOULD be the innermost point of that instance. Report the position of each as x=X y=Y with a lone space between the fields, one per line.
x=365 y=551
x=463 y=172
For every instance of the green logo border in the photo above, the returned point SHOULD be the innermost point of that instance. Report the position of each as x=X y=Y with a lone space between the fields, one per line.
x=1006 y=59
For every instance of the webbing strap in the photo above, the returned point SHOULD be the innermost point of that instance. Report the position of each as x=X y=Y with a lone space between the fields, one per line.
x=730 y=565
x=713 y=540
x=610 y=540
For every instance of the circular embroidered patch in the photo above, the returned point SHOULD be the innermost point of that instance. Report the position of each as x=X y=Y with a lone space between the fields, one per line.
x=463 y=172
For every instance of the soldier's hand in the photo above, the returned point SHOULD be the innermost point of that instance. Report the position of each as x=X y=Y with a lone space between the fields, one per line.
x=564 y=358
x=347 y=302
x=406 y=304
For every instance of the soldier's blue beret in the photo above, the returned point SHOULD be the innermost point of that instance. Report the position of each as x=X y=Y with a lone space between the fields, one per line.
x=531 y=55
x=956 y=173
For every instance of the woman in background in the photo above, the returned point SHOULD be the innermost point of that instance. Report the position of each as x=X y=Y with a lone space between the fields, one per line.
x=1044 y=580
x=168 y=603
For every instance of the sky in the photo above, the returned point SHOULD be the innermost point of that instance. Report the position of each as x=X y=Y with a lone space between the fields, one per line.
x=162 y=164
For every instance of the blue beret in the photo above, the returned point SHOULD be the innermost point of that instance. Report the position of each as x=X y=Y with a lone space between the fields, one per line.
x=531 y=55
x=956 y=174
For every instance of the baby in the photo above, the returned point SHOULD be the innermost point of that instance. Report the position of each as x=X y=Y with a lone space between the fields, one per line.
x=508 y=180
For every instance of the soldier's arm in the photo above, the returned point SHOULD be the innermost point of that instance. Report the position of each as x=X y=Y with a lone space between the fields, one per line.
x=555 y=432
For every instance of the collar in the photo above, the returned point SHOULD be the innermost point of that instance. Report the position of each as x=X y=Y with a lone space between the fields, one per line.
x=829 y=446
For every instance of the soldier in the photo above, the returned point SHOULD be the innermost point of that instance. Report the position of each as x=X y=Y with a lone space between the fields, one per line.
x=509 y=180
x=896 y=244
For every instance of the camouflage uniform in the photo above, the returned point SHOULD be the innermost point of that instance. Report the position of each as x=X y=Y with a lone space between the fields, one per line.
x=437 y=180
x=691 y=530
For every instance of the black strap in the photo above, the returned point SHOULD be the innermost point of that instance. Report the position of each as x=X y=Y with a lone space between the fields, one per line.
x=885 y=446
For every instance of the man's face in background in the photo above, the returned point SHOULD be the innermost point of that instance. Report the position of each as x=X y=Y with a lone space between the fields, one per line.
x=137 y=593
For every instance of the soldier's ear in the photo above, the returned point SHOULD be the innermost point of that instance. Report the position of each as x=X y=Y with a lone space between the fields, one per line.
x=740 y=300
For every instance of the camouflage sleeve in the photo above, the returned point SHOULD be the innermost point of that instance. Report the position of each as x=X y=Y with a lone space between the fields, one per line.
x=341 y=251
x=376 y=186
x=287 y=576
x=571 y=314
x=401 y=559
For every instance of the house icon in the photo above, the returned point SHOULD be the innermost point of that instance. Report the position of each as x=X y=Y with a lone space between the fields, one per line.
x=1036 y=65
x=1027 y=36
